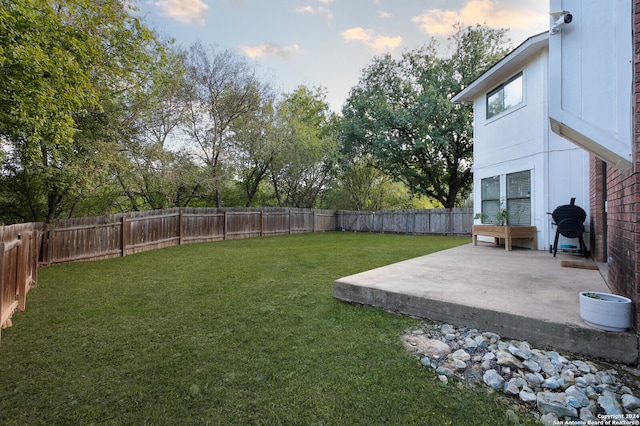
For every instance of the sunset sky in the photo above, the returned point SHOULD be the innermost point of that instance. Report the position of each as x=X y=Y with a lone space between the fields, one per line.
x=328 y=42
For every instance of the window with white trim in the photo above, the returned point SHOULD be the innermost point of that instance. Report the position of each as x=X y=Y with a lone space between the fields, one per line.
x=506 y=96
x=519 y=198
x=490 y=198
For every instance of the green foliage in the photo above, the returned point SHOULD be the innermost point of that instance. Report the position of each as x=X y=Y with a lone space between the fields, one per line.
x=224 y=90
x=304 y=165
x=195 y=334
x=69 y=68
x=401 y=115
x=362 y=186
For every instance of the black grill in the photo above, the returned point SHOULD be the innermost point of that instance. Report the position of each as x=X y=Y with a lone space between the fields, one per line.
x=569 y=220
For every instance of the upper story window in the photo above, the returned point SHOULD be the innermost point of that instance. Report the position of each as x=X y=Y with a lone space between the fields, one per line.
x=505 y=96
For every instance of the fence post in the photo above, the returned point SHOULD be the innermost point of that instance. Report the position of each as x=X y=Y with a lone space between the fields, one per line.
x=180 y=227
x=224 y=228
x=21 y=274
x=262 y=222
x=2 y=283
x=49 y=243
x=35 y=252
x=290 y=221
x=123 y=232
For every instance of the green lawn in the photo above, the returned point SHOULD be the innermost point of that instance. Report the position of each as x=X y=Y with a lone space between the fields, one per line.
x=235 y=332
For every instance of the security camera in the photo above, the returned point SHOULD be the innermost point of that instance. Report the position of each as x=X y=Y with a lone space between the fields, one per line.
x=561 y=19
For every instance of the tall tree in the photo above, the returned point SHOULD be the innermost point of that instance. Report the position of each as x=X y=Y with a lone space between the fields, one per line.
x=400 y=113
x=225 y=89
x=64 y=64
x=154 y=174
x=256 y=143
x=306 y=160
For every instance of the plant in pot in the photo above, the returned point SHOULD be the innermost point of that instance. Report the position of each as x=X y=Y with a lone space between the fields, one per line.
x=503 y=216
x=605 y=311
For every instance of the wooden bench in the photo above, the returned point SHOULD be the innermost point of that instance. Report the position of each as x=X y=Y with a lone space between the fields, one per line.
x=508 y=233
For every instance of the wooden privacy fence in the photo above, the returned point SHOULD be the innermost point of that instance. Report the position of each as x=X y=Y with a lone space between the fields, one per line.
x=103 y=237
x=18 y=266
x=24 y=247
x=419 y=222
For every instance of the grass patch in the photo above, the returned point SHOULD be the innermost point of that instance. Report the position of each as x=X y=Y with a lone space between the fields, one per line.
x=234 y=332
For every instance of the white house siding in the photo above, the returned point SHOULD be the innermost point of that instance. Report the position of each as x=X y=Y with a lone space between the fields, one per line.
x=591 y=77
x=520 y=139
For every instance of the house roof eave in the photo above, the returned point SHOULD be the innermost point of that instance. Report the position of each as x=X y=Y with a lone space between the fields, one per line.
x=503 y=68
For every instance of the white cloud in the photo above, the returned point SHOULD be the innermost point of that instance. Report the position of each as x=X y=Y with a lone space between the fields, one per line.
x=384 y=14
x=269 y=49
x=187 y=11
x=369 y=38
x=320 y=11
x=441 y=21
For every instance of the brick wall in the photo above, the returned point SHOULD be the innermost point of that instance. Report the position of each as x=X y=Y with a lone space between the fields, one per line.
x=597 y=225
x=623 y=194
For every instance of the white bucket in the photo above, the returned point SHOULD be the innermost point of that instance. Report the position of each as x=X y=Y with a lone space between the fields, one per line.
x=605 y=311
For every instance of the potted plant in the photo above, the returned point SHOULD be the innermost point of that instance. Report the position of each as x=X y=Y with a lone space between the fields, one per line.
x=605 y=311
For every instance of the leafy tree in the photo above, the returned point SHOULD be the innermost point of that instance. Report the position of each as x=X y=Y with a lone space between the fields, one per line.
x=225 y=89
x=256 y=143
x=305 y=162
x=151 y=174
x=364 y=184
x=401 y=115
x=68 y=67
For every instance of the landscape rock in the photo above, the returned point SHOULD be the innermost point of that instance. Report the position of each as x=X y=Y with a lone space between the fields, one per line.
x=505 y=358
x=527 y=397
x=587 y=416
x=429 y=347
x=576 y=398
x=493 y=379
x=609 y=403
x=461 y=354
x=549 y=419
x=511 y=387
x=556 y=403
x=559 y=388
x=630 y=402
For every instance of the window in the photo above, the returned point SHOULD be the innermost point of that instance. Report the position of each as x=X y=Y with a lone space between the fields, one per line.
x=505 y=96
x=490 y=198
x=511 y=191
x=519 y=198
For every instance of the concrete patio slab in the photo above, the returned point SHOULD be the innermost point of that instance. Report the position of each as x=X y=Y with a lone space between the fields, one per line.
x=520 y=294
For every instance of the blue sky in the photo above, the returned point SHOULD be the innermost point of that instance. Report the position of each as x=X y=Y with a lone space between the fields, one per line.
x=329 y=42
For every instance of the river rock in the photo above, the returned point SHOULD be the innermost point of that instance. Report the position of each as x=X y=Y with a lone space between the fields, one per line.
x=630 y=402
x=609 y=403
x=506 y=359
x=429 y=347
x=527 y=397
x=447 y=329
x=576 y=398
x=511 y=387
x=461 y=354
x=549 y=419
x=493 y=379
x=587 y=416
x=556 y=403
x=532 y=366
x=444 y=371
x=522 y=350
x=560 y=388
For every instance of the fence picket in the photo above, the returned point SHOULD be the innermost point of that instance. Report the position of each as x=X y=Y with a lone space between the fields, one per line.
x=24 y=247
